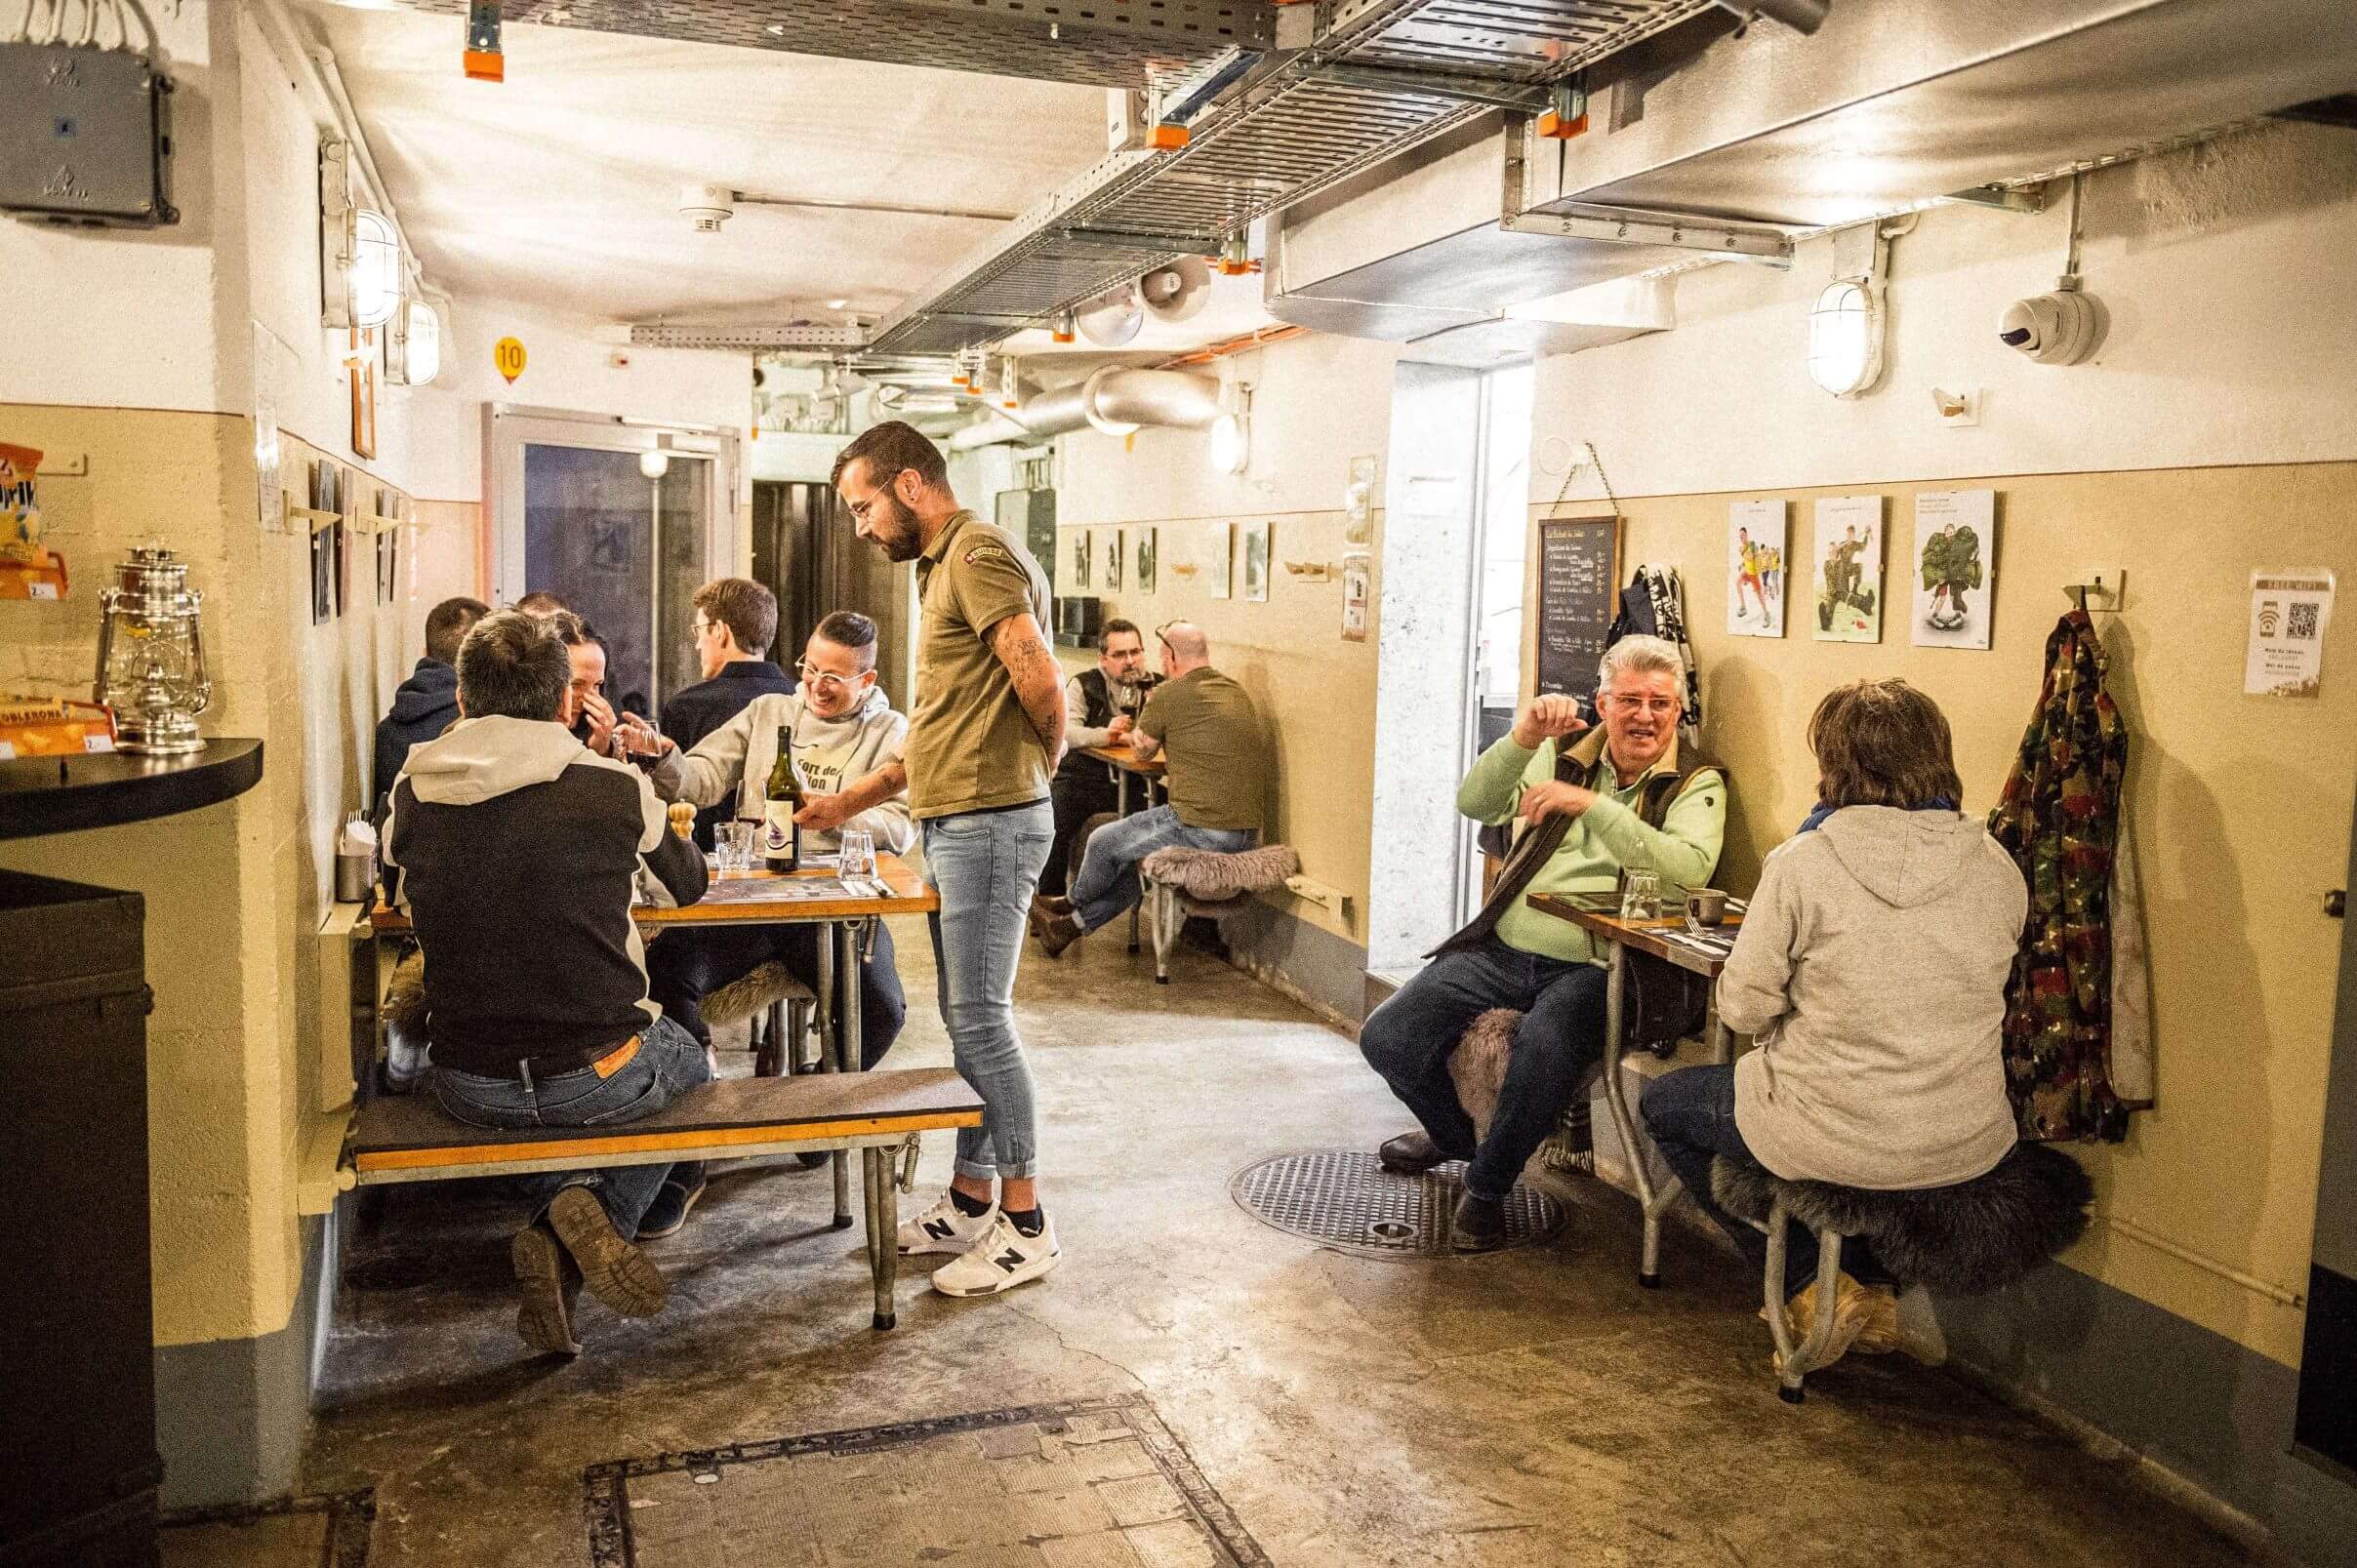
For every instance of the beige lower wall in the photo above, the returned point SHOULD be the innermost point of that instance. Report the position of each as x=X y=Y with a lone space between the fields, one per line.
x=2239 y=806
x=1316 y=692
x=235 y=891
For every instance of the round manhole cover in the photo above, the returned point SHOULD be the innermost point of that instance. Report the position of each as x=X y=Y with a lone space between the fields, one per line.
x=1344 y=1198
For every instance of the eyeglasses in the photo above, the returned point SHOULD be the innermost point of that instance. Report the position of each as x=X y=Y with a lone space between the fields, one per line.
x=1658 y=706
x=826 y=680
x=859 y=508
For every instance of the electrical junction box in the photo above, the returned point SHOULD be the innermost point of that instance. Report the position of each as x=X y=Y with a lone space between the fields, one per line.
x=84 y=137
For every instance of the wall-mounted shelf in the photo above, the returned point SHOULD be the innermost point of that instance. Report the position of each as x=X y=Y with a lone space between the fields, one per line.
x=313 y=521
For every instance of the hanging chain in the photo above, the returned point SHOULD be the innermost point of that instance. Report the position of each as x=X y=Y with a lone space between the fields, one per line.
x=1572 y=469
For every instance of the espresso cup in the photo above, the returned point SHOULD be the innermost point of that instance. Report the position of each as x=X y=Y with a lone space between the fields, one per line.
x=1705 y=906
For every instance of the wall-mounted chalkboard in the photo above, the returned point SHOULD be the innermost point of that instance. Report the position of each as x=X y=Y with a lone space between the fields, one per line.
x=1578 y=582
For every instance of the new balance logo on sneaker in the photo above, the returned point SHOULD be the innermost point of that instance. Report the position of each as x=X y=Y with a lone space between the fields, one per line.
x=944 y=1227
x=1009 y=1259
x=940 y=1229
x=1000 y=1259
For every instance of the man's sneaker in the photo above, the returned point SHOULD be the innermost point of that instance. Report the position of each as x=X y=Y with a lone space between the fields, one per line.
x=549 y=1284
x=944 y=1227
x=669 y=1212
x=614 y=1270
x=1000 y=1259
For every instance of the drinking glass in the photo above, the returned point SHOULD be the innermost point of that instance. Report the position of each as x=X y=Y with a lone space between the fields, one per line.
x=1640 y=896
x=732 y=843
x=857 y=858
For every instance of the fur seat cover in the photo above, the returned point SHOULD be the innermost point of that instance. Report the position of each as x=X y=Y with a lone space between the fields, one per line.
x=1210 y=876
x=749 y=992
x=1477 y=1065
x=1974 y=1236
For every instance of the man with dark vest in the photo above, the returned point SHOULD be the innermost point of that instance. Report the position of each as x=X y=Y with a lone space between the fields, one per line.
x=1101 y=706
x=1586 y=809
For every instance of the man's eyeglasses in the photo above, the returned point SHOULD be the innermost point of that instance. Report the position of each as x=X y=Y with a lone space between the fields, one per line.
x=859 y=508
x=824 y=679
x=1658 y=706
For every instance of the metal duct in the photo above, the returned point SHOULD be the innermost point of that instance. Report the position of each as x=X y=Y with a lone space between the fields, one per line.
x=1114 y=396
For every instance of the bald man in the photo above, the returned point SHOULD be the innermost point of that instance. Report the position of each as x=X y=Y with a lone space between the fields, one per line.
x=1209 y=734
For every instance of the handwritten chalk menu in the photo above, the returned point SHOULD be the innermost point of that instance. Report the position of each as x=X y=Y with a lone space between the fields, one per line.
x=1579 y=573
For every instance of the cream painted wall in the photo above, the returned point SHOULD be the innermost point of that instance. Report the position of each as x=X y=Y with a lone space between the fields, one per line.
x=2210 y=436
x=1317 y=403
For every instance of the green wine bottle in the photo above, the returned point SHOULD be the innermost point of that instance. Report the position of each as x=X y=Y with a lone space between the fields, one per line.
x=780 y=835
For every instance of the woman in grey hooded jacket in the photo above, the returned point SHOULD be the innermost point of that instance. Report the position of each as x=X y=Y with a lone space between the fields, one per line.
x=1871 y=971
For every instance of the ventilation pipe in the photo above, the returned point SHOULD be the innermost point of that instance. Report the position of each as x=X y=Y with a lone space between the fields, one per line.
x=1801 y=15
x=1113 y=400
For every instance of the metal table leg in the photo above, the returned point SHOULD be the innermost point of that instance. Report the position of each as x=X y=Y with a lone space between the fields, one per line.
x=1616 y=1097
x=831 y=1059
x=847 y=1043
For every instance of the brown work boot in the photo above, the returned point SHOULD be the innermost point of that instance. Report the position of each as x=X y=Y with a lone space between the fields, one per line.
x=1052 y=903
x=1411 y=1154
x=616 y=1271
x=550 y=1285
x=1056 y=932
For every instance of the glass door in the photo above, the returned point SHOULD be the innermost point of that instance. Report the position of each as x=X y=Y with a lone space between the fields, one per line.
x=620 y=528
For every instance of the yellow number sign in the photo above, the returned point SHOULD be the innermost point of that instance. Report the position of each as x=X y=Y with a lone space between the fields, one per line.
x=508 y=356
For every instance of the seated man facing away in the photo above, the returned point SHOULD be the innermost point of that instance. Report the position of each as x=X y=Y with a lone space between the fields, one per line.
x=735 y=622
x=516 y=852
x=428 y=703
x=847 y=746
x=1100 y=708
x=1209 y=733
x=1619 y=799
x=1872 y=969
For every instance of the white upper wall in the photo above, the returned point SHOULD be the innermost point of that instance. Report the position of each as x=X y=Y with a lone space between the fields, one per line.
x=2230 y=274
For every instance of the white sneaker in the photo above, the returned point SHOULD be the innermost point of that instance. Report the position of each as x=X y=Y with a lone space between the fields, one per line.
x=1000 y=1259
x=944 y=1227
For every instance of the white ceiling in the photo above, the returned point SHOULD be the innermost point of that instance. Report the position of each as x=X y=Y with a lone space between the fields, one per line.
x=560 y=187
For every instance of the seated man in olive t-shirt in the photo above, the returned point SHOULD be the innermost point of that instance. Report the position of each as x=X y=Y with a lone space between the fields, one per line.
x=1209 y=734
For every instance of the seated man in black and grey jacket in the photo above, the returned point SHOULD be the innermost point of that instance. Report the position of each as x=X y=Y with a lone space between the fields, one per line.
x=1101 y=707
x=516 y=852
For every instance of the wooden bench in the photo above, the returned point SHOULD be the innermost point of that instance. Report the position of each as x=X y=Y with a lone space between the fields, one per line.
x=409 y=1139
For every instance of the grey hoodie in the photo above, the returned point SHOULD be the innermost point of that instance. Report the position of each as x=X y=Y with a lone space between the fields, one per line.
x=829 y=752
x=1872 y=970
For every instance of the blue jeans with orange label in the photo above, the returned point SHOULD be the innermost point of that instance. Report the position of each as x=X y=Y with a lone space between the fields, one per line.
x=668 y=1061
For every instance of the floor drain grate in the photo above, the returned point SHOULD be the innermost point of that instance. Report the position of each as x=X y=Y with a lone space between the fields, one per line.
x=1345 y=1198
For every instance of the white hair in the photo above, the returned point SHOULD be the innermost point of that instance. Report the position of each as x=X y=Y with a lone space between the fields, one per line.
x=1632 y=656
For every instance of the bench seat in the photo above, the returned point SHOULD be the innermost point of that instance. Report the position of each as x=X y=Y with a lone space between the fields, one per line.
x=408 y=1138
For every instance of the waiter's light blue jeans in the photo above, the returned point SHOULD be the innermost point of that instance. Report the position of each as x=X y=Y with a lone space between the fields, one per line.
x=1108 y=884
x=985 y=864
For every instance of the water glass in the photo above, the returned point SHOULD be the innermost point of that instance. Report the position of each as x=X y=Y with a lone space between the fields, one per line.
x=732 y=845
x=857 y=857
x=1640 y=896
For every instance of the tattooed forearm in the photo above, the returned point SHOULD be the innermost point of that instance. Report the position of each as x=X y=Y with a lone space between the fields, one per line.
x=1038 y=679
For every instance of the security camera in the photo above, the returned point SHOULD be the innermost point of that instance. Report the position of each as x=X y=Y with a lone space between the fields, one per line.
x=707 y=207
x=2061 y=328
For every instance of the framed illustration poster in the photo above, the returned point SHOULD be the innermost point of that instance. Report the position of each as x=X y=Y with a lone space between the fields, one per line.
x=1117 y=547
x=1219 y=549
x=1081 y=561
x=1146 y=564
x=1256 y=562
x=1849 y=578
x=1955 y=568
x=1754 y=569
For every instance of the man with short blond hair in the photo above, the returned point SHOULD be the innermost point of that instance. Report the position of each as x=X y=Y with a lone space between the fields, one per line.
x=985 y=733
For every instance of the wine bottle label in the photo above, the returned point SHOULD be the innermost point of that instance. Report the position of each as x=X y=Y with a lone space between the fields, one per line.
x=777 y=827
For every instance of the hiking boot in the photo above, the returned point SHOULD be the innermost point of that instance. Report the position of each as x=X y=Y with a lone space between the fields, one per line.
x=550 y=1285
x=614 y=1270
x=1411 y=1154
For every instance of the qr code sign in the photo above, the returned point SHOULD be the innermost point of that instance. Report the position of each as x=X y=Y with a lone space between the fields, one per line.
x=2300 y=623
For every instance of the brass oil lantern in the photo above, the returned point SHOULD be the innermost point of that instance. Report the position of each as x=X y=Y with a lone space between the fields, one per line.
x=152 y=654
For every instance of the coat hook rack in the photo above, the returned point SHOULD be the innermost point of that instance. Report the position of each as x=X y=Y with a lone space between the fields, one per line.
x=1310 y=571
x=2098 y=589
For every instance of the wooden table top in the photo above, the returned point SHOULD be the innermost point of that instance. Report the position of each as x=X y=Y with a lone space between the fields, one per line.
x=910 y=896
x=1648 y=937
x=1128 y=761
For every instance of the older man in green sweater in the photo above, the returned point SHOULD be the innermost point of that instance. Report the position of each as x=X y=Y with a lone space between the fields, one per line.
x=1587 y=804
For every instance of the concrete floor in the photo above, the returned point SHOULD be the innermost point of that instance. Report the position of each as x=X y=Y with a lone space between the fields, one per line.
x=1531 y=1407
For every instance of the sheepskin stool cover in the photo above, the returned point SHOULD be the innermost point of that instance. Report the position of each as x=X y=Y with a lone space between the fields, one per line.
x=1214 y=883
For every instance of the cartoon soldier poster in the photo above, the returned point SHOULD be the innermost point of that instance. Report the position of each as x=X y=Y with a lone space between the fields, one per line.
x=1849 y=569
x=1955 y=577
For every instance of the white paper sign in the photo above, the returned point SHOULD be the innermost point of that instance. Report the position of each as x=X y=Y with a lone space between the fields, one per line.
x=1754 y=569
x=2290 y=613
x=1955 y=567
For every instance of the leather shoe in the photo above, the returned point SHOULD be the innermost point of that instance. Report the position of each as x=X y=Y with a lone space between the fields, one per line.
x=1477 y=1225
x=1411 y=1154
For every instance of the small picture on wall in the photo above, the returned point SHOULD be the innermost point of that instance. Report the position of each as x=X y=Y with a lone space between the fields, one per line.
x=1256 y=563
x=1115 y=547
x=1219 y=551
x=1754 y=569
x=1145 y=559
x=1080 y=560
x=1955 y=567
x=1849 y=569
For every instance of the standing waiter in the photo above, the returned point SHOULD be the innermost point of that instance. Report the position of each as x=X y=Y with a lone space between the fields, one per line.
x=1101 y=706
x=985 y=732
